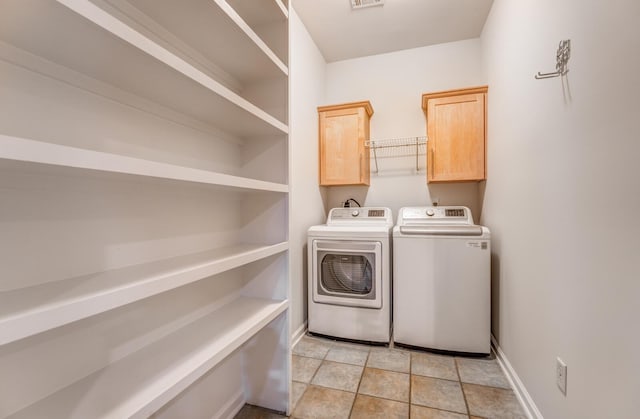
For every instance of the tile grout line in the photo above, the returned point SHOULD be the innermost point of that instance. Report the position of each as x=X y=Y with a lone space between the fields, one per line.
x=410 y=381
x=314 y=373
x=324 y=357
x=364 y=367
x=464 y=396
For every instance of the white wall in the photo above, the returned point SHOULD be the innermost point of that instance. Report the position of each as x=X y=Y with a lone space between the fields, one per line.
x=307 y=86
x=394 y=83
x=562 y=199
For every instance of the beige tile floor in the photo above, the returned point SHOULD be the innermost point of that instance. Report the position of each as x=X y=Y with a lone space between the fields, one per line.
x=346 y=380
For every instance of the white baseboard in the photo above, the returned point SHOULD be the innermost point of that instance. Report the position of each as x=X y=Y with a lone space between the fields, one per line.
x=231 y=408
x=522 y=394
x=298 y=334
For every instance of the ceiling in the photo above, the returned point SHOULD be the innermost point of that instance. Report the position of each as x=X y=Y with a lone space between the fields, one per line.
x=342 y=33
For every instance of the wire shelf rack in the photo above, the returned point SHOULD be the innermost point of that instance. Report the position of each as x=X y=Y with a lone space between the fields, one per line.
x=397 y=147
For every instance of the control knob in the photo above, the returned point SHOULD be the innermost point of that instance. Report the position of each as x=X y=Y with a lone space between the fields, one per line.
x=355 y=213
x=430 y=212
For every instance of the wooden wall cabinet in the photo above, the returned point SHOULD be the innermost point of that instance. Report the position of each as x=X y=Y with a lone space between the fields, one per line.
x=456 y=132
x=344 y=159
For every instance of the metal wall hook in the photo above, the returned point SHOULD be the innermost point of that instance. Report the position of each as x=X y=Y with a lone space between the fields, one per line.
x=562 y=60
x=540 y=75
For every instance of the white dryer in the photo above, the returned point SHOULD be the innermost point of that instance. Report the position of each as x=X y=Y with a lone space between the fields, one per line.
x=350 y=274
x=442 y=284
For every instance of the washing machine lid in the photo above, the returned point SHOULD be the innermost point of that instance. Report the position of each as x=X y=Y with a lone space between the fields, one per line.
x=442 y=230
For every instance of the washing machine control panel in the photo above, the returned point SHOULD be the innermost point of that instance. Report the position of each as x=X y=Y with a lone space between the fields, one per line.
x=440 y=215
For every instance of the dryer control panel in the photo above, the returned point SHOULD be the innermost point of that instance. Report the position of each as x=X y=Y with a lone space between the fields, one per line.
x=358 y=215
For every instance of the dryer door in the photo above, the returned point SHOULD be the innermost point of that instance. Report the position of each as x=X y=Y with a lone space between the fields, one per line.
x=347 y=273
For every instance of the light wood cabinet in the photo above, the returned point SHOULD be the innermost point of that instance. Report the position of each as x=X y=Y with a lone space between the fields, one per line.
x=344 y=159
x=456 y=132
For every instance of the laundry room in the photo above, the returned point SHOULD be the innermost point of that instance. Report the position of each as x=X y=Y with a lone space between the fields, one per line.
x=549 y=154
x=319 y=209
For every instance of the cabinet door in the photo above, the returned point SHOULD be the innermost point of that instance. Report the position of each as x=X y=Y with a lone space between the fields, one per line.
x=456 y=138
x=343 y=157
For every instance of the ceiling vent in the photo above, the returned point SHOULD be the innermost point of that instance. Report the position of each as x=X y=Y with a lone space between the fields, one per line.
x=360 y=4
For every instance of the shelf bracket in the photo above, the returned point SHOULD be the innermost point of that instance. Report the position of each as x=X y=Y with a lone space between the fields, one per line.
x=375 y=154
x=417 y=163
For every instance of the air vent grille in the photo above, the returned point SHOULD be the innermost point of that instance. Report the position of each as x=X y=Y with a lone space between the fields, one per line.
x=359 y=4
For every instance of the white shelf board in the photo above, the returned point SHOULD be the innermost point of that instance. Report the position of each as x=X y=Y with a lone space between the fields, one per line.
x=79 y=35
x=283 y=8
x=270 y=11
x=31 y=310
x=30 y=151
x=251 y=34
x=211 y=27
x=141 y=383
x=268 y=21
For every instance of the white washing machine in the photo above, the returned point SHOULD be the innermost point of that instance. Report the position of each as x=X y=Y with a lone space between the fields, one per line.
x=350 y=274
x=442 y=283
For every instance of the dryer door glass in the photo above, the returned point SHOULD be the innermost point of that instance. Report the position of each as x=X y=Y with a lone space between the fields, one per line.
x=347 y=274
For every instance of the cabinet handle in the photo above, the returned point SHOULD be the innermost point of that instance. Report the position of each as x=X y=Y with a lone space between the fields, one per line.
x=430 y=162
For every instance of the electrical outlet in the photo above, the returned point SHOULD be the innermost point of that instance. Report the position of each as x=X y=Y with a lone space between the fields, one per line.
x=561 y=375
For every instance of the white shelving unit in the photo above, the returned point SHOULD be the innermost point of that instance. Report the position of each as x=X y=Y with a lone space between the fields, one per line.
x=144 y=174
x=123 y=389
